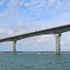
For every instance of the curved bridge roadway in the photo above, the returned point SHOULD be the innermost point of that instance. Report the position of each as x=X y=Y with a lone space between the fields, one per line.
x=56 y=30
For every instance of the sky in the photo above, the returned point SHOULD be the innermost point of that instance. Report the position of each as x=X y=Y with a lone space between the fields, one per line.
x=24 y=16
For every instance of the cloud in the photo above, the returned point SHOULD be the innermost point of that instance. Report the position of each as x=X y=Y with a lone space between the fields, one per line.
x=50 y=2
x=12 y=16
x=5 y=32
x=34 y=9
x=21 y=16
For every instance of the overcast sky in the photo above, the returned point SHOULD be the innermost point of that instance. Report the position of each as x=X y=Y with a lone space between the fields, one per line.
x=23 y=16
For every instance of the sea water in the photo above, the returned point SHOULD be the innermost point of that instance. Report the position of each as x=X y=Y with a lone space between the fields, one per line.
x=35 y=61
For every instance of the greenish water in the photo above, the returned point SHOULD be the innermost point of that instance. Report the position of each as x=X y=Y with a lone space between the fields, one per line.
x=35 y=61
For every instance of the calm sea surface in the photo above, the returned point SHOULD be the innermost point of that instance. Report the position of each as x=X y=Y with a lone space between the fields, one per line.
x=35 y=61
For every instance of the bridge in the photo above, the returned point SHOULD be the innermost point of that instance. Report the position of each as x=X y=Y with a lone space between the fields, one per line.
x=57 y=31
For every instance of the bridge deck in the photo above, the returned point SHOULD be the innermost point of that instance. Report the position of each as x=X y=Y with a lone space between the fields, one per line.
x=55 y=30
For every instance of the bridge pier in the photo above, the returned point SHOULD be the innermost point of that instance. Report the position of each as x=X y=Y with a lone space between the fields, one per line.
x=14 y=47
x=58 y=44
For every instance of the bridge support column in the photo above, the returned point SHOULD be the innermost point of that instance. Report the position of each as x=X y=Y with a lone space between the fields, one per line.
x=58 y=44
x=14 y=47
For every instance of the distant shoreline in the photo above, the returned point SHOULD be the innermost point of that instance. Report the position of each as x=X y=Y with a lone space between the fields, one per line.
x=31 y=51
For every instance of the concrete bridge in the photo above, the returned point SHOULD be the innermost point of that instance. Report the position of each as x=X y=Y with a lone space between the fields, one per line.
x=56 y=30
